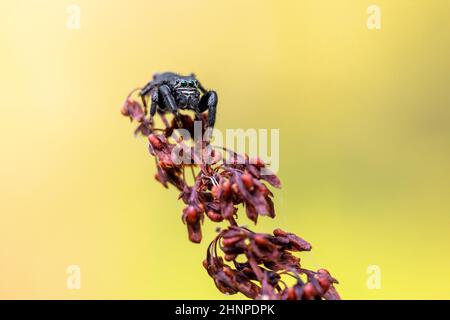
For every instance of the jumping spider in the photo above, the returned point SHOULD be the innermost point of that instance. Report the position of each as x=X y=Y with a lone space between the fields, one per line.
x=170 y=92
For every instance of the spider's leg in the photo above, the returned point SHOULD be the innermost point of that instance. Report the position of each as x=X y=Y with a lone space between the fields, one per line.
x=169 y=101
x=144 y=102
x=147 y=88
x=144 y=92
x=155 y=101
x=209 y=102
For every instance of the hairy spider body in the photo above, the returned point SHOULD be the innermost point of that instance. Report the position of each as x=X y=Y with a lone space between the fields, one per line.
x=170 y=92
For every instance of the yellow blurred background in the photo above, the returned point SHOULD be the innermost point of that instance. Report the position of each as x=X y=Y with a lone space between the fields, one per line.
x=364 y=125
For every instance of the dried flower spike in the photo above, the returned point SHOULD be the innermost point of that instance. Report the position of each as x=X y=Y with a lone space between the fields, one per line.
x=238 y=259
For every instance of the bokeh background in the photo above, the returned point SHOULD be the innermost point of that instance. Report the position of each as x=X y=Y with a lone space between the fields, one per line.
x=364 y=125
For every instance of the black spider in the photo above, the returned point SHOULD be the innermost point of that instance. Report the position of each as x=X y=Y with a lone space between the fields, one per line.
x=170 y=92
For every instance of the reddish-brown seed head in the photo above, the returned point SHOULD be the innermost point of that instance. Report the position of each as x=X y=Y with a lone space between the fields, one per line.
x=191 y=215
x=324 y=283
x=279 y=233
x=323 y=271
x=124 y=109
x=309 y=291
x=247 y=180
x=226 y=186
x=291 y=294
x=154 y=141
x=215 y=216
x=260 y=240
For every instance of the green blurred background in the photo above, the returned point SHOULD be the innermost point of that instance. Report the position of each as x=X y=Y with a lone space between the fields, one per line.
x=364 y=128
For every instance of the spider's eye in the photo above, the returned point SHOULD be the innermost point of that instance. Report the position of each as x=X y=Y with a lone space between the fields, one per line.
x=184 y=83
x=191 y=83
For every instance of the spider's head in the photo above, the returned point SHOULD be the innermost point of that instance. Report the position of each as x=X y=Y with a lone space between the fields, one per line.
x=186 y=92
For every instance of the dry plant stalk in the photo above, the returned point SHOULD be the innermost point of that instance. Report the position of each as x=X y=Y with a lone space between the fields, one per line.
x=238 y=259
